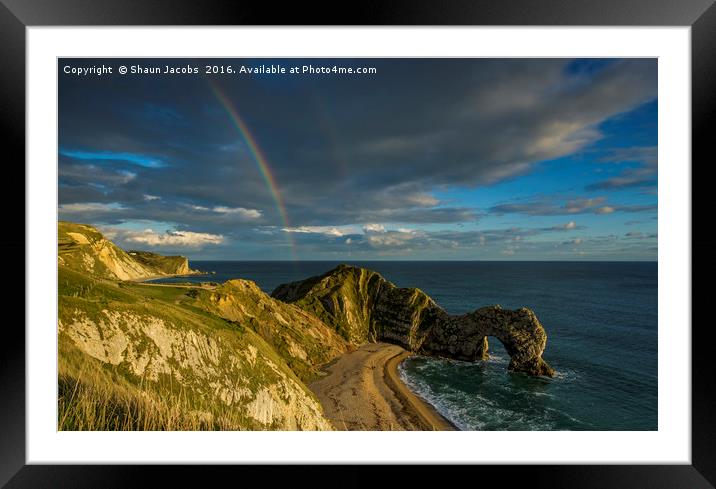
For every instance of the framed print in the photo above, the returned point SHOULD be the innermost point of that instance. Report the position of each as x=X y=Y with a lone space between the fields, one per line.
x=468 y=236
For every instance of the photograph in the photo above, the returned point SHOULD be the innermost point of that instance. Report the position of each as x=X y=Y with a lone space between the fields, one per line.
x=357 y=244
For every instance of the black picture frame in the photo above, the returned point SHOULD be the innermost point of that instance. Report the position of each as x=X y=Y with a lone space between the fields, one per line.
x=16 y=15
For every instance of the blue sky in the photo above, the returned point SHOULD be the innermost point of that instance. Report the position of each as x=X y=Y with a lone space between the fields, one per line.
x=427 y=159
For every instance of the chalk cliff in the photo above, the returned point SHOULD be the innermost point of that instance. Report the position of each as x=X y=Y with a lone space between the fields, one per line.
x=85 y=249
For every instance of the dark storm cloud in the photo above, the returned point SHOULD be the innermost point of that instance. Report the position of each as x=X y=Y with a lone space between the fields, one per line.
x=343 y=150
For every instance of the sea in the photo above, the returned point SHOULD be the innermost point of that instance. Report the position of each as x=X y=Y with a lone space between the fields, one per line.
x=600 y=318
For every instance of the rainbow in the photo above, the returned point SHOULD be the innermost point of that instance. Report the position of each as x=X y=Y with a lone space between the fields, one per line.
x=258 y=156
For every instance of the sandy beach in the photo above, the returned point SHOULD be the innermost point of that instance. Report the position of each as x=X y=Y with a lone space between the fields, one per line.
x=363 y=391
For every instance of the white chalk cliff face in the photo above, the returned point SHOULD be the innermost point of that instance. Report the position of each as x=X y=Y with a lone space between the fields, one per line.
x=212 y=366
x=85 y=249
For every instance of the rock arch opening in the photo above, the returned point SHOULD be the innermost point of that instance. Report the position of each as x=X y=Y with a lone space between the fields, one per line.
x=466 y=338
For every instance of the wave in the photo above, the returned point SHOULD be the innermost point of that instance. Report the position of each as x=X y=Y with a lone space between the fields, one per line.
x=565 y=374
x=508 y=406
x=426 y=393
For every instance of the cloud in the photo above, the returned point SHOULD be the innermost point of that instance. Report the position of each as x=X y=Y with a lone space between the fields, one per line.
x=645 y=175
x=436 y=215
x=200 y=208
x=641 y=177
x=379 y=228
x=241 y=212
x=394 y=239
x=578 y=206
x=180 y=239
x=569 y=226
x=647 y=155
x=378 y=149
x=413 y=146
x=640 y=235
x=548 y=207
x=487 y=243
x=74 y=173
x=336 y=231
x=637 y=208
x=605 y=209
x=511 y=115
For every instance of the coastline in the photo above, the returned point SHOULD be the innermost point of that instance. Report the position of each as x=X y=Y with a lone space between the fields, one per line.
x=419 y=406
x=362 y=390
x=391 y=403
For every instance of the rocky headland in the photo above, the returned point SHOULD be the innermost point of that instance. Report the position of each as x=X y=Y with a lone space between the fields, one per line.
x=363 y=306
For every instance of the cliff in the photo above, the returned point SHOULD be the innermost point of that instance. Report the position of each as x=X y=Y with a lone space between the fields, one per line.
x=156 y=361
x=363 y=306
x=167 y=265
x=136 y=356
x=83 y=248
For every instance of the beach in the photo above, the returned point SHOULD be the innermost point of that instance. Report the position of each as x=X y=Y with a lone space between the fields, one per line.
x=362 y=391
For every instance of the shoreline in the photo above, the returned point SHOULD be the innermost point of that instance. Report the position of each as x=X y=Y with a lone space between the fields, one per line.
x=362 y=390
x=421 y=407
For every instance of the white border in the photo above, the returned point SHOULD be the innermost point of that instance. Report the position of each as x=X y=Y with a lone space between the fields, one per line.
x=670 y=444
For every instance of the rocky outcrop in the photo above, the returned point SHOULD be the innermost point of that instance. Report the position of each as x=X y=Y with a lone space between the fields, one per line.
x=363 y=306
x=83 y=248
x=465 y=338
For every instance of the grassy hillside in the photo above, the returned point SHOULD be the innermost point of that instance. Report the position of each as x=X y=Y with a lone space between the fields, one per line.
x=137 y=356
x=171 y=265
x=301 y=339
x=348 y=299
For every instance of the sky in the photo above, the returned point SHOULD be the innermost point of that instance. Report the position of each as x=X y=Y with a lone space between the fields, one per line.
x=424 y=159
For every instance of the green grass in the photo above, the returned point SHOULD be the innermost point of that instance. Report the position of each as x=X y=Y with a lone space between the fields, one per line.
x=281 y=325
x=165 y=264
x=95 y=395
